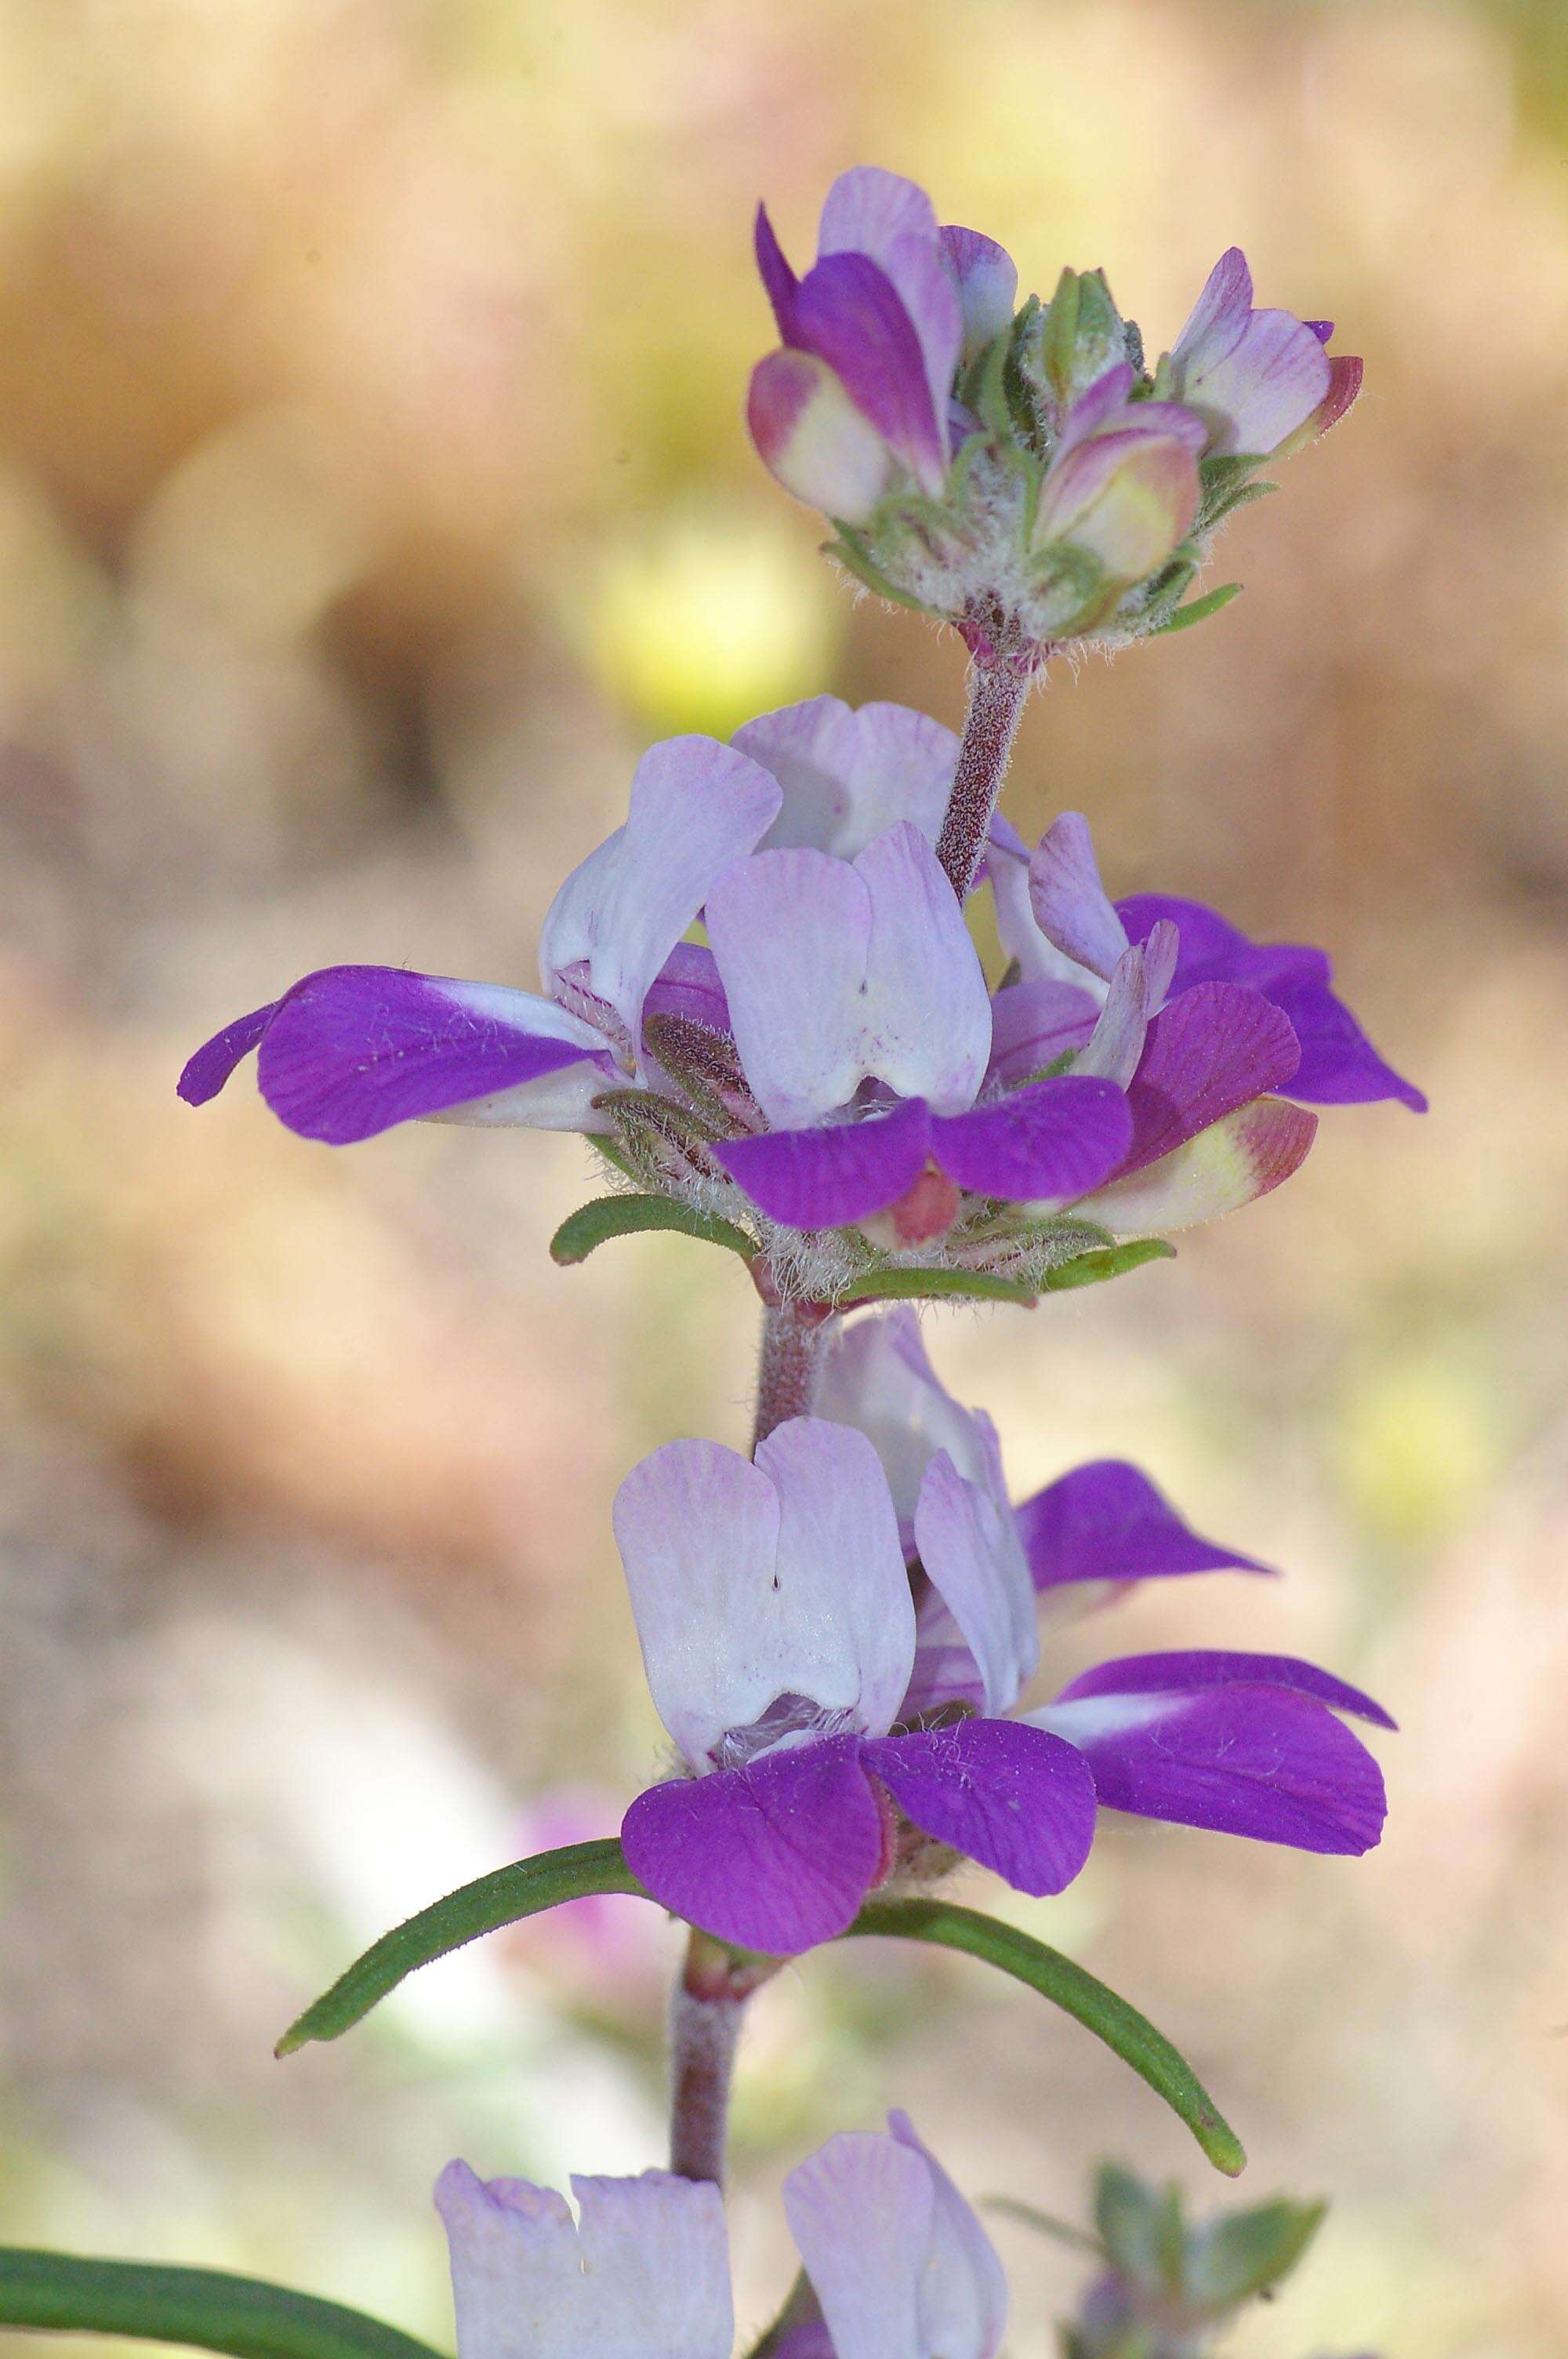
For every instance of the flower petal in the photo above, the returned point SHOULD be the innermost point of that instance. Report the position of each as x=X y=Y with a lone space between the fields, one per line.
x=647 y=2276
x=1254 y=377
x=814 y=439
x=778 y=279
x=877 y=1378
x=969 y=1546
x=1230 y=1164
x=774 y=1857
x=832 y=1177
x=849 y=312
x=988 y=285
x=696 y=806
x=1214 y=1048
x=749 y=1583
x=1070 y=905
x=848 y=776
x=206 y=1071
x=873 y=212
x=353 y=1049
x=898 y=2260
x=1213 y=1666
x=1035 y=1023
x=1047 y=1141
x=1338 y=1064
x=688 y=986
x=1260 y=1761
x=1107 y=1521
x=995 y=1793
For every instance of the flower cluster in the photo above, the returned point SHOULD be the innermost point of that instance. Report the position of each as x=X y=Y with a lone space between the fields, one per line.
x=1019 y=472
x=830 y=1068
x=763 y=1001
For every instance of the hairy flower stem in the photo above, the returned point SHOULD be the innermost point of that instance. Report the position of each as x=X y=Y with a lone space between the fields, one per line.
x=705 y=2028
x=996 y=693
x=792 y=1335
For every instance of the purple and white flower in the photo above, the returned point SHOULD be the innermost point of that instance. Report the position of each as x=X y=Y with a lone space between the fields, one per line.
x=835 y=1716
x=898 y=2262
x=1261 y=382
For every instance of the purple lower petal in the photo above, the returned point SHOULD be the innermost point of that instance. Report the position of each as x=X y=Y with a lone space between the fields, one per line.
x=848 y=311
x=206 y=1072
x=1016 y=1799
x=1216 y=1047
x=1187 y=1673
x=353 y=1049
x=823 y=1178
x=1055 y=1138
x=1108 y=1522
x=1338 y=1064
x=1258 y=1761
x=778 y=279
x=688 y=986
x=776 y=1857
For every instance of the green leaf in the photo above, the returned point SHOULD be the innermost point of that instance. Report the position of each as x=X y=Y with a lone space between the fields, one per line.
x=622 y=1216
x=1045 y=2223
x=205 y=2307
x=500 y=1898
x=938 y=1286
x=1072 y=1988
x=1197 y=610
x=1129 y=2215
x=1106 y=1261
x=853 y=553
x=1249 y=2251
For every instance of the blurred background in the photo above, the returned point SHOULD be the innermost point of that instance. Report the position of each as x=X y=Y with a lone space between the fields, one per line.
x=372 y=488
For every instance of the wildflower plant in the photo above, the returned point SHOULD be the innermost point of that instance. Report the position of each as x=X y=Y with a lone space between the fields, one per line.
x=761 y=1003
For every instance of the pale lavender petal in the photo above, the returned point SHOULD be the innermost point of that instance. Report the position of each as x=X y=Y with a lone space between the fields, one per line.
x=1113 y=1049
x=1214 y=1048
x=812 y=439
x=1037 y=959
x=926 y=1011
x=753 y=1582
x=1107 y=1521
x=1223 y=307
x=353 y=1049
x=1071 y=906
x=1032 y=1024
x=1048 y=1141
x=830 y=1179
x=1253 y=376
x=996 y=1792
x=697 y=807
x=890 y=220
x=867 y=209
x=848 y=312
x=1182 y=1673
x=647 y=2276
x=969 y=1547
x=1338 y=1064
x=206 y=1072
x=774 y=1857
x=964 y=2309
x=861 y=2210
x=988 y=285
x=1097 y=406
x=877 y=1378
x=848 y=776
x=1261 y=1761
x=1230 y=1164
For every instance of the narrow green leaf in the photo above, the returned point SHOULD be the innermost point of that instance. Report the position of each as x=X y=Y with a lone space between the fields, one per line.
x=622 y=1216
x=1072 y=1988
x=205 y=2307
x=938 y=1286
x=1106 y=1261
x=500 y=1898
x=1197 y=610
x=1045 y=2223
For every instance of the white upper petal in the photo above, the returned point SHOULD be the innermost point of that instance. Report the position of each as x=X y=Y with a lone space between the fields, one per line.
x=847 y=776
x=835 y=973
x=1071 y=906
x=696 y=807
x=1038 y=958
x=878 y=1378
x=749 y=1582
x=969 y=1546
x=647 y=2275
x=899 y=2263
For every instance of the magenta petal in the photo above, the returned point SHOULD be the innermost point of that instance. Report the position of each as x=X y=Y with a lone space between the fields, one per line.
x=1107 y=1521
x=1055 y=1138
x=848 y=311
x=1258 y=1761
x=778 y=279
x=688 y=986
x=776 y=1857
x=1214 y=1048
x=1338 y=1064
x=1221 y=1667
x=353 y=1049
x=1016 y=1799
x=210 y=1068
x=823 y=1178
